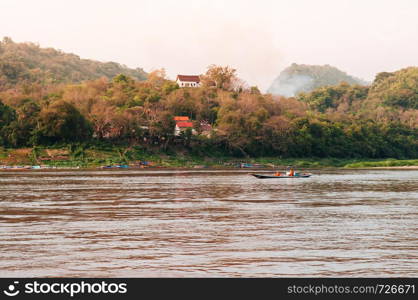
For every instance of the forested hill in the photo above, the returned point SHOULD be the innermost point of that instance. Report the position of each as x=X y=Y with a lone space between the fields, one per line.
x=305 y=78
x=397 y=89
x=343 y=121
x=395 y=92
x=29 y=63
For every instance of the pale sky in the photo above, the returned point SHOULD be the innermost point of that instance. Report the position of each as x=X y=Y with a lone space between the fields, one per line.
x=258 y=38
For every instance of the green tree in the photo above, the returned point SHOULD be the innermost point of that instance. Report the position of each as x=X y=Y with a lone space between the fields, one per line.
x=7 y=124
x=62 y=122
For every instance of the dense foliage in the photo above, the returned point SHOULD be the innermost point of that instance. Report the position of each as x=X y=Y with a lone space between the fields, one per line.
x=305 y=78
x=398 y=89
x=22 y=63
x=333 y=97
x=338 y=121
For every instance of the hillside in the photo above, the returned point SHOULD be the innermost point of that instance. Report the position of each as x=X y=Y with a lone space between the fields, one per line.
x=391 y=93
x=342 y=121
x=29 y=63
x=305 y=78
x=397 y=89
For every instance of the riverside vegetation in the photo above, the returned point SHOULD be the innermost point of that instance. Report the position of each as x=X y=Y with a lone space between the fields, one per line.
x=126 y=117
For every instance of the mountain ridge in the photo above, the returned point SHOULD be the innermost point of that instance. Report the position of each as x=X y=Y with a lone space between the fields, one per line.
x=29 y=63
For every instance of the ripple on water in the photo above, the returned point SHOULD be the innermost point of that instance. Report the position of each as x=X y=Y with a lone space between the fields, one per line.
x=208 y=223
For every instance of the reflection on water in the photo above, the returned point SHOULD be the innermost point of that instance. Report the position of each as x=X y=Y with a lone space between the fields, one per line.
x=208 y=223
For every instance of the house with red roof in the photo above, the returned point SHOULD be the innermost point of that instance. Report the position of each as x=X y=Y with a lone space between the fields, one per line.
x=188 y=80
x=182 y=124
x=181 y=119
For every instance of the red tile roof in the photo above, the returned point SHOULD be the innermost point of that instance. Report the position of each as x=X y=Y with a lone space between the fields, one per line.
x=192 y=78
x=184 y=124
x=180 y=118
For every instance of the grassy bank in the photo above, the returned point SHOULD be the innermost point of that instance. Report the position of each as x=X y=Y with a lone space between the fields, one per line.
x=79 y=156
x=383 y=163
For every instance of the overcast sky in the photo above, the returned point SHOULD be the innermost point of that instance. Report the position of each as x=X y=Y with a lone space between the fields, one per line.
x=259 y=38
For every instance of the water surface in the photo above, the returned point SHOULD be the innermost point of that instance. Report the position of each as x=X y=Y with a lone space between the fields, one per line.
x=205 y=223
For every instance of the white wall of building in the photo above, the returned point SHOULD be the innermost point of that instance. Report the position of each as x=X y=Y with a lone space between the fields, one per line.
x=187 y=83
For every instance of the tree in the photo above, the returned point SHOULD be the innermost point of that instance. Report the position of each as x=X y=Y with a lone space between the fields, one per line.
x=157 y=77
x=221 y=77
x=28 y=115
x=7 y=124
x=7 y=115
x=382 y=76
x=62 y=122
x=122 y=79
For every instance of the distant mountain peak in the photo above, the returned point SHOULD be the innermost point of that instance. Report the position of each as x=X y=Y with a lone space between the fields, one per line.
x=299 y=78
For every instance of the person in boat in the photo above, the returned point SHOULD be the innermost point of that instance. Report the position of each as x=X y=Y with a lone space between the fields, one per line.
x=277 y=174
x=291 y=171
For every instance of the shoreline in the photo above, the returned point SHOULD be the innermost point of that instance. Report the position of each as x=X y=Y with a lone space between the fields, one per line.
x=187 y=168
x=397 y=168
x=99 y=158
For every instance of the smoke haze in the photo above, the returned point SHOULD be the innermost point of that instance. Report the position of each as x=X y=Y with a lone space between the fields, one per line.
x=289 y=85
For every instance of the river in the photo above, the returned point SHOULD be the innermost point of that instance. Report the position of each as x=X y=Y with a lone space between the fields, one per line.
x=208 y=223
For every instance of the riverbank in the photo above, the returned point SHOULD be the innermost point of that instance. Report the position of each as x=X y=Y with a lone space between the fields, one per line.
x=397 y=168
x=386 y=164
x=73 y=157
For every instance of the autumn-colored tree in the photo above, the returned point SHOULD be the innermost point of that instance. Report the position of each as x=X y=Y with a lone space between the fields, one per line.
x=339 y=121
x=220 y=77
x=157 y=77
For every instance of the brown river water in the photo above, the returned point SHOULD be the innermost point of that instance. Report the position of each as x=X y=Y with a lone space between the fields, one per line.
x=207 y=223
